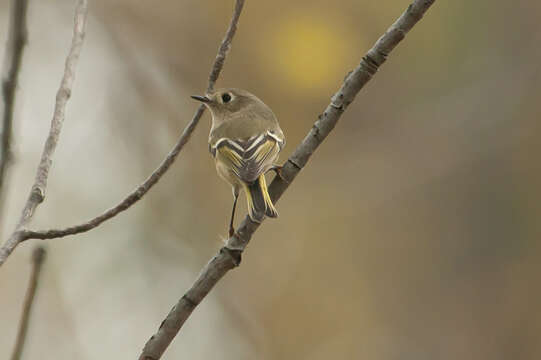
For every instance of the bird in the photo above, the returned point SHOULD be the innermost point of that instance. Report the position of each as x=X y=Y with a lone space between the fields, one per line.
x=245 y=140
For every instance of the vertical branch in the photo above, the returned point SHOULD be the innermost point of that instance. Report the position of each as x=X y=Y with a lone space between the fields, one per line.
x=37 y=193
x=17 y=37
x=38 y=257
x=225 y=46
x=62 y=97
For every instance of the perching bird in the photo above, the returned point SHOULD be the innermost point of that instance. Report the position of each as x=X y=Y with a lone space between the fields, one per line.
x=245 y=139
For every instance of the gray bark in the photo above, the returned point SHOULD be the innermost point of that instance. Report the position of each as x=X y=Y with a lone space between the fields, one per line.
x=17 y=37
x=38 y=257
x=37 y=193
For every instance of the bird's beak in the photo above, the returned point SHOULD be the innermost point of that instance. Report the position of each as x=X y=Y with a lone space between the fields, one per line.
x=203 y=99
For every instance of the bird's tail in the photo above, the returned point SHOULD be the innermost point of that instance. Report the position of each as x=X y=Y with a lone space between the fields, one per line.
x=259 y=201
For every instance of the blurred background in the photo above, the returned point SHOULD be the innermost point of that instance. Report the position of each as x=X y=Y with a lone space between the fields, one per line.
x=413 y=233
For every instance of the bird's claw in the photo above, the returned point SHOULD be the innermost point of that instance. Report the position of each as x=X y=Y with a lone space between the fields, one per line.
x=278 y=170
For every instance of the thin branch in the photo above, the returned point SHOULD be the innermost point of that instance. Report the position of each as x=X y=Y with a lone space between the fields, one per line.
x=37 y=193
x=38 y=257
x=17 y=37
x=142 y=189
x=229 y=255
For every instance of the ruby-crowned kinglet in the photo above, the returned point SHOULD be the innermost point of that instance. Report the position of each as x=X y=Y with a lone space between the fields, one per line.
x=245 y=139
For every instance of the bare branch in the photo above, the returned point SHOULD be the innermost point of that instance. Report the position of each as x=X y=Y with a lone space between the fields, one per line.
x=229 y=255
x=142 y=189
x=38 y=257
x=37 y=193
x=225 y=46
x=17 y=37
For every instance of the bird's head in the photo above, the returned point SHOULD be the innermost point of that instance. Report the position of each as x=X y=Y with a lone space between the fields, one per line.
x=227 y=100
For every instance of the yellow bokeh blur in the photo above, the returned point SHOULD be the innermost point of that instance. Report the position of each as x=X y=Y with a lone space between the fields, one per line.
x=307 y=53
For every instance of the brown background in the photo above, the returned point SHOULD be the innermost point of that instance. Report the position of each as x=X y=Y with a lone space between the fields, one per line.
x=412 y=234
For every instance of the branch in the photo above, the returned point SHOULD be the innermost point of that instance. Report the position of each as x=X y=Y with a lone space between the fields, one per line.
x=17 y=37
x=229 y=255
x=142 y=189
x=37 y=193
x=38 y=257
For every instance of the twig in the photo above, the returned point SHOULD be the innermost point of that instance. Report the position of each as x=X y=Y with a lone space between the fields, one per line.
x=229 y=255
x=38 y=257
x=37 y=193
x=142 y=189
x=17 y=37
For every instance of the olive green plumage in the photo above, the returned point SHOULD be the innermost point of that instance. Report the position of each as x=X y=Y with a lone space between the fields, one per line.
x=245 y=140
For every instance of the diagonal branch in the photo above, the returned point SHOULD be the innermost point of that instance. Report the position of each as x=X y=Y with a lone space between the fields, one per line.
x=38 y=257
x=229 y=255
x=17 y=37
x=37 y=193
x=142 y=189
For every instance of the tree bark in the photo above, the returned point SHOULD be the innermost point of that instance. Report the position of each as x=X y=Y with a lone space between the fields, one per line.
x=37 y=193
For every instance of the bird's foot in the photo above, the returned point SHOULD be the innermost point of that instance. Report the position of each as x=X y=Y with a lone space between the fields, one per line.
x=232 y=232
x=278 y=170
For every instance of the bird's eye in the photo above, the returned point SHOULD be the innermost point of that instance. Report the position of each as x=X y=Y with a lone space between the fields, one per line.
x=226 y=98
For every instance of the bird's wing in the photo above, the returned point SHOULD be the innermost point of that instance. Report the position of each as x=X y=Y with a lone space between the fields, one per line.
x=248 y=158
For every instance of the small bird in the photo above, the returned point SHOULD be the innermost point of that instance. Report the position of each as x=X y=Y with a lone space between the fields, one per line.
x=245 y=139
